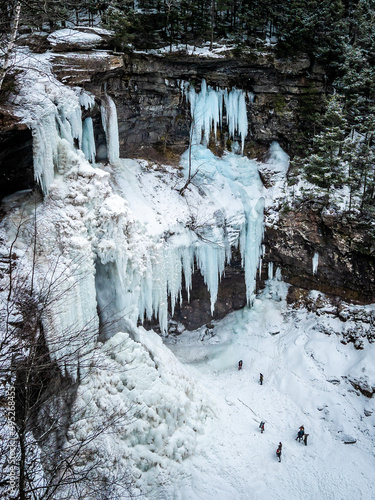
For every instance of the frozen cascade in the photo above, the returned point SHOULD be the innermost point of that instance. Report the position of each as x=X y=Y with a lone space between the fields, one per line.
x=144 y=250
x=53 y=113
x=59 y=119
x=270 y=270
x=207 y=111
x=88 y=140
x=110 y=125
x=315 y=262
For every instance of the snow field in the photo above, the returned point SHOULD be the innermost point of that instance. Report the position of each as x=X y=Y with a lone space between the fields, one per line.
x=237 y=460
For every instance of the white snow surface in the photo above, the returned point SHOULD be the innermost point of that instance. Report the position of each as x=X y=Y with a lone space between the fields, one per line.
x=217 y=51
x=76 y=38
x=197 y=434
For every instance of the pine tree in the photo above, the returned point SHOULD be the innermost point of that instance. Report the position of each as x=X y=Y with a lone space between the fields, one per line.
x=324 y=166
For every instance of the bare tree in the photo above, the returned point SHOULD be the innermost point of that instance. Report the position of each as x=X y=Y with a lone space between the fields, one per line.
x=44 y=372
x=11 y=42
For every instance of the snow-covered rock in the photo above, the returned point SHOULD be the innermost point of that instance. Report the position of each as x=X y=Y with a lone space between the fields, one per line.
x=79 y=38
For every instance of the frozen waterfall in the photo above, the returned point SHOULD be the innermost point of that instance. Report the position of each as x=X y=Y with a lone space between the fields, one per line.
x=88 y=140
x=110 y=125
x=207 y=111
x=139 y=238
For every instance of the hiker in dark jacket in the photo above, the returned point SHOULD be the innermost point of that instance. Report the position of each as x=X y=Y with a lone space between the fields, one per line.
x=305 y=439
x=278 y=454
x=261 y=427
x=300 y=434
x=280 y=446
x=240 y=365
x=261 y=378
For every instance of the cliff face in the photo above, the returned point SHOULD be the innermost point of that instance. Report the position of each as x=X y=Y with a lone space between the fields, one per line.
x=345 y=246
x=16 y=158
x=154 y=123
x=153 y=115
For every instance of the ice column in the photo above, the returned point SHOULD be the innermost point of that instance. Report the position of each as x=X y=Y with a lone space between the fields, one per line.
x=88 y=140
x=207 y=106
x=250 y=241
x=60 y=119
x=110 y=125
x=315 y=262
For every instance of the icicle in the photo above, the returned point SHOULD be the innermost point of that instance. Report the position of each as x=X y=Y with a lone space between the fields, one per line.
x=206 y=108
x=61 y=119
x=270 y=270
x=315 y=262
x=88 y=140
x=251 y=238
x=110 y=125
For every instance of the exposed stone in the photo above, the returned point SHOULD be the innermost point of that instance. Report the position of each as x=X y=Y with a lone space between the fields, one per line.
x=346 y=258
x=362 y=385
x=16 y=155
x=153 y=114
x=78 y=68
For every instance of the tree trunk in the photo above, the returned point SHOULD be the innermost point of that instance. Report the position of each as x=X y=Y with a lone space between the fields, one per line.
x=9 y=49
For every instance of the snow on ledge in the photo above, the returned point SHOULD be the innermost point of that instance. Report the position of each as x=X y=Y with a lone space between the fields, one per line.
x=204 y=52
x=87 y=38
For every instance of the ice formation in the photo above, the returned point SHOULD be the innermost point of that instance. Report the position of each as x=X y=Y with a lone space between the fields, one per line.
x=315 y=262
x=207 y=111
x=110 y=125
x=58 y=117
x=142 y=253
x=88 y=140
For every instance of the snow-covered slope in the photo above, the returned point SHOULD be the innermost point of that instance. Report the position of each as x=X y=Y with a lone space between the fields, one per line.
x=305 y=383
x=196 y=435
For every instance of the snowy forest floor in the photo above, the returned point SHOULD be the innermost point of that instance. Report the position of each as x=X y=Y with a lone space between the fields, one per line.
x=304 y=384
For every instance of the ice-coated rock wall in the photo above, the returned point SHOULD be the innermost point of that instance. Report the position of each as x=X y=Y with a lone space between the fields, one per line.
x=138 y=237
x=208 y=108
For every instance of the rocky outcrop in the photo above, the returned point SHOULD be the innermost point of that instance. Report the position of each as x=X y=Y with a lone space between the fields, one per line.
x=80 y=38
x=153 y=115
x=16 y=155
x=345 y=249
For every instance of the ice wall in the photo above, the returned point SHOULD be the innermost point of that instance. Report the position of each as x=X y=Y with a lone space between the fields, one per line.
x=110 y=125
x=88 y=140
x=53 y=113
x=210 y=106
x=135 y=231
x=60 y=118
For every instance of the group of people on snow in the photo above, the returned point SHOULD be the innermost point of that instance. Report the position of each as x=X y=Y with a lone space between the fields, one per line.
x=301 y=435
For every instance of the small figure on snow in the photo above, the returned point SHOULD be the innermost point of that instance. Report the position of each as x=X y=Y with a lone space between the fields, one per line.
x=280 y=446
x=300 y=433
x=261 y=378
x=278 y=453
x=261 y=427
x=240 y=365
x=305 y=439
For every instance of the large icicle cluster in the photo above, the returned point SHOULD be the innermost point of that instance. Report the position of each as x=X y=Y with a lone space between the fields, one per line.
x=207 y=110
x=53 y=113
x=145 y=241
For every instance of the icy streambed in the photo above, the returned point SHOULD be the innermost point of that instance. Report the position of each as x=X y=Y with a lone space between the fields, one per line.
x=236 y=460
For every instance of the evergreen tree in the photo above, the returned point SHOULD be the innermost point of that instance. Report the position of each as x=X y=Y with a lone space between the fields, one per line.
x=324 y=165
